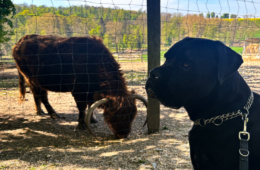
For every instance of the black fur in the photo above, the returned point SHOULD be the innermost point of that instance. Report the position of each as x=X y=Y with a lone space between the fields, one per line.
x=201 y=76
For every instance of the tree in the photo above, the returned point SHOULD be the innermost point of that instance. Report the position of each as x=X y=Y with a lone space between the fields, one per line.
x=212 y=14
x=208 y=15
x=6 y=8
x=96 y=31
x=225 y=16
x=233 y=16
x=108 y=40
x=125 y=41
x=103 y=27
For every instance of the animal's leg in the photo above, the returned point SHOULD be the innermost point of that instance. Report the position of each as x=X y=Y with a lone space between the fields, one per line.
x=37 y=101
x=81 y=101
x=93 y=117
x=45 y=101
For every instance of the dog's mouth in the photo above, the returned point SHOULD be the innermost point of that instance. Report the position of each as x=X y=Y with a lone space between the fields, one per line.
x=166 y=97
x=173 y=106
x=151 y=93
x=167 y=103
x=176 y=107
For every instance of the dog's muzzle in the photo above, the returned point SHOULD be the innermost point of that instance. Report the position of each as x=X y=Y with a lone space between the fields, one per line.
x=150 y=92
x=154 y=74
x=154 y=77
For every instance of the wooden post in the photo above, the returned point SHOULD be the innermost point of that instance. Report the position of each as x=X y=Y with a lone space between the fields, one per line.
x=154 y=36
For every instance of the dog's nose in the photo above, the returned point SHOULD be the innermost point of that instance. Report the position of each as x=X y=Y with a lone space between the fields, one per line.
x=150 y=92
x=154 y=74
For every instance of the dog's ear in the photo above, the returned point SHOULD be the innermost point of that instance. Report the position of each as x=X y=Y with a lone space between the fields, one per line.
x=228 y=62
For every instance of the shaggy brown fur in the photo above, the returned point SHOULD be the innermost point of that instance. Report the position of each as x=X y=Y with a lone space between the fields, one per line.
x=80 y=65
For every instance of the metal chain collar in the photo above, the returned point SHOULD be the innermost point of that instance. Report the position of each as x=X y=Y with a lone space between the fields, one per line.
x=218 y=120
x=249 y=102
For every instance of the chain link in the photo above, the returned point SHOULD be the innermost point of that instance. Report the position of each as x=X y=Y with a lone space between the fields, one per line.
x=249 y=102
x=218 y=120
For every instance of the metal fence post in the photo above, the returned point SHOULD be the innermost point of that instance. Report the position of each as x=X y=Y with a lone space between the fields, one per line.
x=154 y=36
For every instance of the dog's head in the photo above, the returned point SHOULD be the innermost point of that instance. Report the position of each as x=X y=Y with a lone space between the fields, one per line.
x=193 y=68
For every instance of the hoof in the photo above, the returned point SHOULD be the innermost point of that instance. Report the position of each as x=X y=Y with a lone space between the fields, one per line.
x=81 y=126
x=120 y=136
x=93 y=120
x=41 y=113
x=55 y=116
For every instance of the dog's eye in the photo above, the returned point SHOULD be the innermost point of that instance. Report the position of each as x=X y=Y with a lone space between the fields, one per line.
x=185 y=65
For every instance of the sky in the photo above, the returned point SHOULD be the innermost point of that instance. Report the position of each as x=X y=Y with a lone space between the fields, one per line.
x=238 y=7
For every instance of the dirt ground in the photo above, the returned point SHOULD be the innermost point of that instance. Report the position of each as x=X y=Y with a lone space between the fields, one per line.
x=28 y=141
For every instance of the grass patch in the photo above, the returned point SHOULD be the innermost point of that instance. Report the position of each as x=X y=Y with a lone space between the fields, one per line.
x=3 y=166
x=9 y=83
x=7 y=59
x=127 y=61
x=135 y=77
x=239 y=50
x=145 y=56
x=257 y=34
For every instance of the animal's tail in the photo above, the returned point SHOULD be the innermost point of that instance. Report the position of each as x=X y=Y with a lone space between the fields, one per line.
x=22 y=88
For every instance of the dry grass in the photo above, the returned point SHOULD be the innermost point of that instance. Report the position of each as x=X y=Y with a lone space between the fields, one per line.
x=28 y=141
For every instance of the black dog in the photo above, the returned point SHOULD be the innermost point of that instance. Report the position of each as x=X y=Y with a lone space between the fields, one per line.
x=201 y=75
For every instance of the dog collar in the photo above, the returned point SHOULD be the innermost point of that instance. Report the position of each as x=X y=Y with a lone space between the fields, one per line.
x=218 y=120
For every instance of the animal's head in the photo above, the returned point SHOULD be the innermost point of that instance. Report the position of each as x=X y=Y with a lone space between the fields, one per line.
x=193 y=68
x=119 y=115
x=119 y=112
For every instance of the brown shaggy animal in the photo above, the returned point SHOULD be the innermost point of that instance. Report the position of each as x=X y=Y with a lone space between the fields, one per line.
x=80 y=65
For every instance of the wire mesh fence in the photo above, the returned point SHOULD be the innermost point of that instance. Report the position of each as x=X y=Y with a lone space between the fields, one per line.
x=123 y=28
x=122 y=31
x=235 y=23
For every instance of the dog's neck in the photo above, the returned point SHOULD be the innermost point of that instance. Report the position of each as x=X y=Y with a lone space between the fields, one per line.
x=230 y=96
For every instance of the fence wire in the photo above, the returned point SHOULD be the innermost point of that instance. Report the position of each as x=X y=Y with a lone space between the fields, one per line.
x=122 y=25
x=123 y=32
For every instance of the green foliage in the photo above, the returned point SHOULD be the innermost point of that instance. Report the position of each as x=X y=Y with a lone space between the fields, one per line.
x=225 y=16
x=257 y=34
x=108 y=40
x=145 y=56
x=239 y=50
x=233 y=16
x=208 y=15
x=212 y=15
x=120 y=29
x=125 y=30
x=6 y=9
x=95 y=31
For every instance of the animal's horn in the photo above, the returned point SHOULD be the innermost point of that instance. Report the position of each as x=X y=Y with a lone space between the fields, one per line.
x=144 y=101
x=90 y=111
